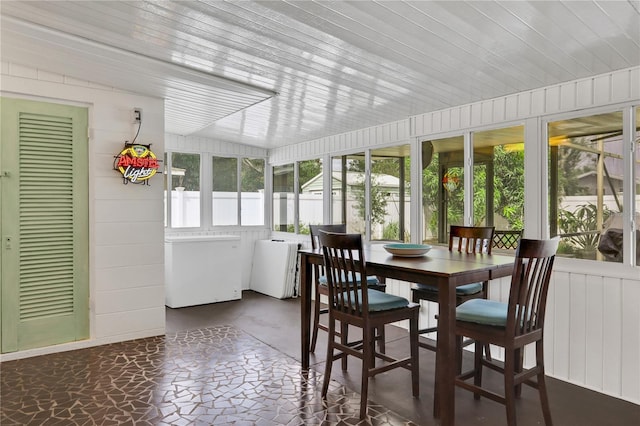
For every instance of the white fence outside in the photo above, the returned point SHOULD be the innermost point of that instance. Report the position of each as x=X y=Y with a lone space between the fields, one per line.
x=185 y=208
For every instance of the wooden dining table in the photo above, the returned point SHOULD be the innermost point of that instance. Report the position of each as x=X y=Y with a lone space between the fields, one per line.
x=439 y=267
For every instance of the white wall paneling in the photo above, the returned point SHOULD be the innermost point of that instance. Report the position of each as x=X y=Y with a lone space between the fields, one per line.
x=125 y=221
x=593 y=324
x=201 y=144
x=535 y=167
x=248 y=235
x=631 y=342
x=394 y=132
x=610 y=88
x=603 y=356
x=611 y=340
x=592 y=336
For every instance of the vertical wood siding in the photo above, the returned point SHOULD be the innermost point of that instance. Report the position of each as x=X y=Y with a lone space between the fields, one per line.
x=593 y=324
x=606 y=89
x=216 y=147
x=397 y=131
x=592 y=331
x=592 y=335
x=593 y=321
x=125 y=221
x=248 y=235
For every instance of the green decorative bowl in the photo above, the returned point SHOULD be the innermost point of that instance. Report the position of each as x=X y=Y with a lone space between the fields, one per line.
x=407 y=250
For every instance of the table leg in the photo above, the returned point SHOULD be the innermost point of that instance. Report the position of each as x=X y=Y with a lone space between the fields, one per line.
x=444 y=402
x=305 y=309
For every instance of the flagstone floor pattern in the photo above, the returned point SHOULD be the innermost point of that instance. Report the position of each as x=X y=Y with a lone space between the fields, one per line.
x=210 y=376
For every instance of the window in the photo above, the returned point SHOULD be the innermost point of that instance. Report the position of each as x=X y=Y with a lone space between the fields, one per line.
x=348 y=191
x=185 y=190
x=310 y=191
x=586 y=186
x=498 y=183
x=225 y=191
x=306 y=203
x=387 y=204
x=283 y=198
x=252 y=191
x=232 y=196
x=442 y=187
x=389 y=199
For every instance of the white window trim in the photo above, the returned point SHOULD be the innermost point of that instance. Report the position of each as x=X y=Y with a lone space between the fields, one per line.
x=206 y=188
x=628 y=111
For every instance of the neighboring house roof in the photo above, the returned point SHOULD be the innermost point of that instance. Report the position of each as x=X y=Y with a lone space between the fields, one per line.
x=388 y=182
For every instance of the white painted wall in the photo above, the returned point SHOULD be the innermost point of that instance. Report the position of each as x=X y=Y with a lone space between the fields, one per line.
x=248 y=235
x=593 y=329
x=126 y=221
x=593 y=322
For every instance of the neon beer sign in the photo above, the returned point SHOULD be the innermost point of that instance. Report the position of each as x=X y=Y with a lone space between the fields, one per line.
x=137 y=163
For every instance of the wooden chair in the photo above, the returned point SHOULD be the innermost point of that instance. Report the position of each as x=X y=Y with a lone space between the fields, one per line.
x=467 y=239
x=511 y=325
x=352 y=303
x=321 y=283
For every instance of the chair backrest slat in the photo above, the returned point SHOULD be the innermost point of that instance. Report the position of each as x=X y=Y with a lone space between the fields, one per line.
x=530 y=285
x=314 y=230
x=345 y=269
x=471 y=239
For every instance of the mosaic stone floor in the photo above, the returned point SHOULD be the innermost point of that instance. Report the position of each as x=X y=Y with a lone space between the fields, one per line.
x=210 y=376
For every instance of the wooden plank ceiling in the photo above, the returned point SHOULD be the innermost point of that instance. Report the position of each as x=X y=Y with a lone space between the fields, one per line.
x=272 y=73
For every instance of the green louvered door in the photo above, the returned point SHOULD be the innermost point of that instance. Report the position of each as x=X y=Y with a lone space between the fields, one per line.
x=44 y=284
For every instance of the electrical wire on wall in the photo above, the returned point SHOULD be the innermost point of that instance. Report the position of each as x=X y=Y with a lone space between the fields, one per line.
x=137 y=116
x=136 y=162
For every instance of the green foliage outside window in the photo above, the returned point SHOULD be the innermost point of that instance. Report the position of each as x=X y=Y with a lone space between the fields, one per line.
x=252 y=175
x=431 y=186
x=307 y=170
x=580 y=231
x=191 y=165
x=302 y=229
x=391 y=232
x=508 y=187
x=225 y=174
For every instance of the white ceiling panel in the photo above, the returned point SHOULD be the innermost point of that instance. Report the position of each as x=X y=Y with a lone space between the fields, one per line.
x=188 y=92
x=271 y=73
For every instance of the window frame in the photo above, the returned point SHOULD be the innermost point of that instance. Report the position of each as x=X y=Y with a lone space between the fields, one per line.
x=629 y=112
x=272 y=224
x=238 y=189
x=168 y=187
x=468 y=166
x=206 y=188
x=296 y=194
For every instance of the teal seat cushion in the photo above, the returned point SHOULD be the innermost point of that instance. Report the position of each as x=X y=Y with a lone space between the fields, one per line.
x=483 y=311
x=380 y=301
x=371 y=280
x=463 y=290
